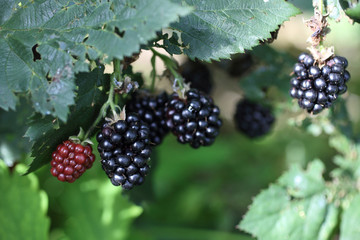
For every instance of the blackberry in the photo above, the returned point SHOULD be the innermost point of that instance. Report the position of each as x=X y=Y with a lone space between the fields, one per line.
x=317 y=88
x=198 y=75
x=124 y=147
x=151 y=110
x=195 y=119
x=71 y=160
x=253 y=119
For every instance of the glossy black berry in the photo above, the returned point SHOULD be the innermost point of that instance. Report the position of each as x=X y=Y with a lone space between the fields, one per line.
x=196 y=120
x=317 y=88
x=124 y=147
x=151 y=109
x=253 y=119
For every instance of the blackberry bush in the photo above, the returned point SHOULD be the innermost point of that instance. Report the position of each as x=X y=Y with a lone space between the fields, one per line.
x=71 y=160
x=194 y=119
x=124 y=147
x=151 y=109
x=253 y=119
x=317 y=87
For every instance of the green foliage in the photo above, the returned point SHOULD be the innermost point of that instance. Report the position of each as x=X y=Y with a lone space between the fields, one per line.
x=352 y=9
x=272 y=70
x=217 y=29
x=65 y=34
x=99 y=208
x=46 y=133
x=294 y=208
x=350 y=218
x=23 y=207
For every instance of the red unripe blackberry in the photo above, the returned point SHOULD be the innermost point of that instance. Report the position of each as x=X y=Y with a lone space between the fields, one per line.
x=70 y=160
x=124 y=147
x=195 y=119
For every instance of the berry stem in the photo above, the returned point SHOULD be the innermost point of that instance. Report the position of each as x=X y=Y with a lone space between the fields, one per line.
x=172 y=67
x=103 y=111
x=153 y=73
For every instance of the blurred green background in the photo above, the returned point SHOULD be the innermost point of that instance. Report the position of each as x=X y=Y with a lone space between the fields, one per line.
x=189 y=194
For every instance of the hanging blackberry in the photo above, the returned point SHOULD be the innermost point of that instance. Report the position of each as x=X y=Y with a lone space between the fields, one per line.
x=151 y=110
x=253 y=119
x=193 y=119
x=124 y=147
x=198 y=75
x=317 y=87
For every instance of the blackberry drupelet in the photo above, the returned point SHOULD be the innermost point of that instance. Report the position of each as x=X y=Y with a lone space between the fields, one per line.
x=71 y=160
x=316 y=88
x=124 y=147
x=195 y=119
x=151 y=110
x=253 y=119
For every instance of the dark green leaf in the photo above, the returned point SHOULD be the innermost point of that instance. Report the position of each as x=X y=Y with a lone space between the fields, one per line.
x=23 y=206
x=219 y=28
x=46 y=133
x=45 y=43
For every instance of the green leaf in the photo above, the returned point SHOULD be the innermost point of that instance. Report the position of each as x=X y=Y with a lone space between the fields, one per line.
x=276 y=214
x=273 y=69
x=101 y=209
x=352 y=9
x=65 y=34
x=350 y=220
x=23 y=206
x=302 y=184
x=46 y=133
x=219 y=28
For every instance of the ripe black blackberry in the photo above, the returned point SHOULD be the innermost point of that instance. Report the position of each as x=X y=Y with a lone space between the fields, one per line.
x=198 y=75
x=316 y=88
x=151 y=110
x=195 y=119
x=124 y=147
x=253 y=119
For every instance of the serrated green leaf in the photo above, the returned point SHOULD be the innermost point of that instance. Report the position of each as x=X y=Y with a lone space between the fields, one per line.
x=302 y=184
x=273 y=215
x=219 y=28
x=350 y=220
x=23 y=206
x=66 y=33
x=46 y=133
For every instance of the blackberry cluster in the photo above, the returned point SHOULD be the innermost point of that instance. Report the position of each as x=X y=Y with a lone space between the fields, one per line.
x=194 y=120
x=198 y=75
x=124 y=147
x=151 y=110
x=317 y=88
x=70 y=161
x=253 y=119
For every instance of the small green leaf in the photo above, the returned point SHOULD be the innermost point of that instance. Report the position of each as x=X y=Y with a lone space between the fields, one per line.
x=330 y=223
x=303 y=184
x=23 y=206
x=219 y=28
x=350 y=220
x=352 y=9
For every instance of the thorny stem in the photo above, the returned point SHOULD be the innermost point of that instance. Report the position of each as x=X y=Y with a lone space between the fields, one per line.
x=171 y=66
